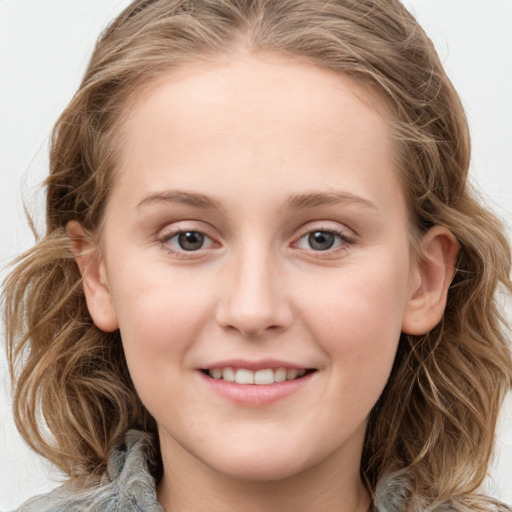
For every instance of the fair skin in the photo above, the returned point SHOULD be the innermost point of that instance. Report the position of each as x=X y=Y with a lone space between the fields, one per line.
x=297 y=257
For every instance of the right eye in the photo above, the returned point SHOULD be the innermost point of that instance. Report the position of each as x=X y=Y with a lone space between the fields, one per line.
x=186 y=241
x=189 y=240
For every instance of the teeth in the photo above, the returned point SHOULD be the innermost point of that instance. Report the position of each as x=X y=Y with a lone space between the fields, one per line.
x=291 y=374
x=260 y=377
x=280 y=375
x=243 y=376
x=216 y=373
x=264 y=377
x=228 y=374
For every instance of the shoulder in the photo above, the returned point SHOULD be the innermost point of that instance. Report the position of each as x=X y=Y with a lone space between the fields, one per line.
x=393 y=494
x=127 y=487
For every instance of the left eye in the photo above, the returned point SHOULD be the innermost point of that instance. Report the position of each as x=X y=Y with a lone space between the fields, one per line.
x=189 y=241
x=321 y=240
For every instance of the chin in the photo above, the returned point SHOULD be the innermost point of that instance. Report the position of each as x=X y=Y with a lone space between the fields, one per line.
x=260 y=470
x=261 y=463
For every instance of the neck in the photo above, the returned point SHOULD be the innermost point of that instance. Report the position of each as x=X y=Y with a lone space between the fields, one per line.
x=192 y=486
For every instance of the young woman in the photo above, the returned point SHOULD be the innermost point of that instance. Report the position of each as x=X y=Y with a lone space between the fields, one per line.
x=265 y=283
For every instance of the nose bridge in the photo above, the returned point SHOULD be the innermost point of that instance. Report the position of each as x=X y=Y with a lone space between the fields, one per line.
x=253 y=298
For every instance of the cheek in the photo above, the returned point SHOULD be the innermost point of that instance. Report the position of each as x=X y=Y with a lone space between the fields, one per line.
x=358 y=301
x=160 y=316
x=357 y=321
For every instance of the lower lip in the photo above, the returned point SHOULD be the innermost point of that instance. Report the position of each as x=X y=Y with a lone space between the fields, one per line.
x=256 y=394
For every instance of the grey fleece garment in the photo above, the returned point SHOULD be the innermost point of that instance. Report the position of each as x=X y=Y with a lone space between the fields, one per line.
x=129 y=487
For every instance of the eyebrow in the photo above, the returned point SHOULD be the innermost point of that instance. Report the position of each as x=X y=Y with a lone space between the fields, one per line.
x=294 y=202
x=315 y=200
x=179 y=197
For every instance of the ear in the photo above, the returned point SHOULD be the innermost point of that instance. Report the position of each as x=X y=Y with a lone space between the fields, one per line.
x=433 y=275
x=94 y=278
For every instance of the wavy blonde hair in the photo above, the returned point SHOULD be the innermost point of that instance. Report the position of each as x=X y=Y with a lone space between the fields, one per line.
x=430 y=436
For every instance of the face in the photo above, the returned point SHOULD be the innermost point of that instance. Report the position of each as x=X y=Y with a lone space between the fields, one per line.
x=257 y=230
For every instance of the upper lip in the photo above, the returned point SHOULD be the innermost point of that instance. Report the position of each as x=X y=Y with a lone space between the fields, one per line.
x=254 y=365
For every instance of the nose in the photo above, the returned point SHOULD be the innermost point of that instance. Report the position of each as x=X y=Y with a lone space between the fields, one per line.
x=254 y=296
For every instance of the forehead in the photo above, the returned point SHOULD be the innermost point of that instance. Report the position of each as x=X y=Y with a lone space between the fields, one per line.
x=272 y=85
x=266 y=119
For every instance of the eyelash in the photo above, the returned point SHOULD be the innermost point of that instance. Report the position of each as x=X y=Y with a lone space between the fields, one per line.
x=166 y=240
x=342 y=243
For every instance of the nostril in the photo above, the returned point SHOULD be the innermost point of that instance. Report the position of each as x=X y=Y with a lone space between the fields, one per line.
x=253 y=332
x=253 y=304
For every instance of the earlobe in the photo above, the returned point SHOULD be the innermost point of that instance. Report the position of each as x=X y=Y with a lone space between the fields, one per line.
x=94 y=278
x=435 y=269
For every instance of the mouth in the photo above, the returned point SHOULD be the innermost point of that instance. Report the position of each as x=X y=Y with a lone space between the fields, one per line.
x=261 y=377
x=256 y=383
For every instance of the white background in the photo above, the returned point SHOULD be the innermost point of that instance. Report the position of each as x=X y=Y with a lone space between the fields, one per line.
x=44 y=45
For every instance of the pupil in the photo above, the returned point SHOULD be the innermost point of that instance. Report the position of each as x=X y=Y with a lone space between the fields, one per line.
x=191 y=240
x=321 y=240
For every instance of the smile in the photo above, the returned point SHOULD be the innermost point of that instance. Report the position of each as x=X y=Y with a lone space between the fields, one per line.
x=261 y=377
